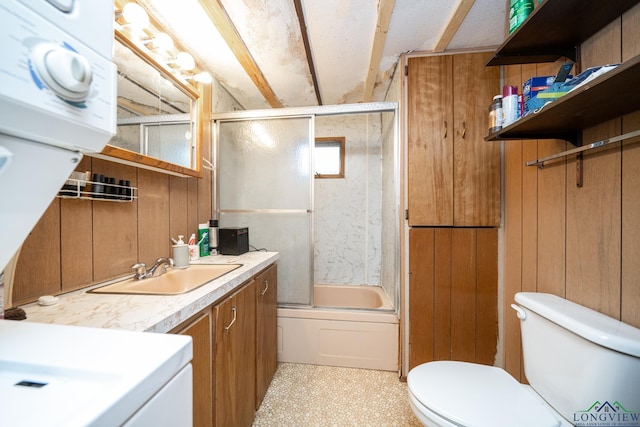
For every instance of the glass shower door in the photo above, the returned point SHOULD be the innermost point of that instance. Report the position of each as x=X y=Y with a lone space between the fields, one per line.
x=265 y=183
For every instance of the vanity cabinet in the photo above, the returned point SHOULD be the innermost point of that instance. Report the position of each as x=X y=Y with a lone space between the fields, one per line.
x=235 y=358
x=199 y=328
x=234 y=352
x=266 y=329
x=453 y=173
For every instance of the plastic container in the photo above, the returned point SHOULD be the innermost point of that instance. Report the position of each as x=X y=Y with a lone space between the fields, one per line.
x=519 y=10
x=180 y=254
x=509 y=104
x=495 y=114
x=203 y=239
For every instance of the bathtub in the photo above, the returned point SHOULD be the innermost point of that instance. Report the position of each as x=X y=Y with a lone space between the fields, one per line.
x=357 y=337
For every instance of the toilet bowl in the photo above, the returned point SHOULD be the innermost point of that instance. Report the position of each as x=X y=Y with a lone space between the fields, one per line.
x=583 y=369
x=454 y=394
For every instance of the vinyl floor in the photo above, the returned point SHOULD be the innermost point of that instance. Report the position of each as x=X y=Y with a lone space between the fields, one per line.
x=310 y=395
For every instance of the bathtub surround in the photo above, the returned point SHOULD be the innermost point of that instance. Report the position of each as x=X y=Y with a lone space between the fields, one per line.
x=308 y=395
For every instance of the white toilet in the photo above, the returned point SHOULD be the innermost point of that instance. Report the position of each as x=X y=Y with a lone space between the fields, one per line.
x=583 y=369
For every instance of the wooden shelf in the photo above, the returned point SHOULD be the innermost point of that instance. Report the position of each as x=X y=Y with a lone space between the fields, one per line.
x=556 y=28
x=611 y=95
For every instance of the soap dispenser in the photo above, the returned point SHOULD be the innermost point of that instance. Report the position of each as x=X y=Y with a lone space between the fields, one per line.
x=180 y=253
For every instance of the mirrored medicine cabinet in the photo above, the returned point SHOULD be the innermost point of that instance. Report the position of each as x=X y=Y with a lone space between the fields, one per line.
x=157 y=115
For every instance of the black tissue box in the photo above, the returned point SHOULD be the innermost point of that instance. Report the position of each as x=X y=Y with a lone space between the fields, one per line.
x=233 y=240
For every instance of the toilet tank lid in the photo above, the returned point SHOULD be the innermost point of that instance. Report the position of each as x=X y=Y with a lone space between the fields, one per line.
x=585 y=322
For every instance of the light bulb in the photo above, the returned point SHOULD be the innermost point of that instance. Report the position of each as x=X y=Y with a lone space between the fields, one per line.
x=203 y=77
x=135 y=15
x=185 y=61
x=162 y=41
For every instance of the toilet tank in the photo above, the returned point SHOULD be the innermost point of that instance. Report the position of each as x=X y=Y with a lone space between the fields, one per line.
x=585 y=364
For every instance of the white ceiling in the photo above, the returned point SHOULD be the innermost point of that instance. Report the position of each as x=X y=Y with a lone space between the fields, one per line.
x=341 y=39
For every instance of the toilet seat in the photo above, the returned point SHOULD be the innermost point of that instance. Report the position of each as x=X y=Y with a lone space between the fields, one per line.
x=468 y=394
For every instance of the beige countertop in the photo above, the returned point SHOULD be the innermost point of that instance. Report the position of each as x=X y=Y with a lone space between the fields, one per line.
x=151 y=313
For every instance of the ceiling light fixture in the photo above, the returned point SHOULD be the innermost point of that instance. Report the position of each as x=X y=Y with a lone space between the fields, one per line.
x=135 y=15
x=161 y=41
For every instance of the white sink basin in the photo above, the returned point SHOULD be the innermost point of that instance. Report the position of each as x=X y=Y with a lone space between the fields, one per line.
x=173 y=282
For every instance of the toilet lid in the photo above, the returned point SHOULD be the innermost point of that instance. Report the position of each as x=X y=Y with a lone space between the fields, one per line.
x=477 y=395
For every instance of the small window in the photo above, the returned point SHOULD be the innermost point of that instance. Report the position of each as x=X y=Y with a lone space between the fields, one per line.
x=329 y=157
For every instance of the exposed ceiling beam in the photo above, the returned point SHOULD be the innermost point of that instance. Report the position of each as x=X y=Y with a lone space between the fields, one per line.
x=228 y=31
x=307 y=48
x=464 y=6
x=385 y=8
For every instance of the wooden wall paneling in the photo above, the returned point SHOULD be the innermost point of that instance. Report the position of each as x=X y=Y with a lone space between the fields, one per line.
x=76 y=239
x=442 y=294
x=421 y=303
x=487 y=295
x=463 y=294
x=430 y=118
x=630 y=36
x=593 y=210
x=476 y=165
x=529 y=200
x=630 y=207
x=115 y=227
x=630 y=291
x=205 y=184
x=514 y=166
x=153 y=209
x=552 y=219
x=593 y=227
x=192 y=207
x=178 y=208
x=551 y=209
x=38 y=268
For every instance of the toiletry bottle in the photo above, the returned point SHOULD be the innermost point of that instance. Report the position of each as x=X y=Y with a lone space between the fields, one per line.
x=203 y=236
x=213 y=236
x=180 y=253
x=194 y=248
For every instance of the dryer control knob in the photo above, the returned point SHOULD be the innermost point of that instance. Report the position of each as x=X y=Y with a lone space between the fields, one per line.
x=64 y=71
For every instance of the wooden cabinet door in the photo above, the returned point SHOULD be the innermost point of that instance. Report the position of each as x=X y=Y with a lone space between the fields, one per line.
x=430 y=140
x=266 y=330
x=199 y=330
x=453 y=173
x=453 y=294
x=476 y=162
x=235 y=352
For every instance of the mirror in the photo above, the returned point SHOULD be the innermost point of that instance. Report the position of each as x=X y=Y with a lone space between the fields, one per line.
x=157 y=114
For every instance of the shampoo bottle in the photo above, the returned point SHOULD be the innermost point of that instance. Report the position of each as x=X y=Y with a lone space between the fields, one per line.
x=203 y=236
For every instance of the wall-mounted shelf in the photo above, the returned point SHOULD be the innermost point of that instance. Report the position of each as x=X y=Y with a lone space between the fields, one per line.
x=84 y=190
x=611 y=95
x=555 y=29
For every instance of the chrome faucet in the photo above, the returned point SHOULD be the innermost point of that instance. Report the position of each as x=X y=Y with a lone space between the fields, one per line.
x=142 y=273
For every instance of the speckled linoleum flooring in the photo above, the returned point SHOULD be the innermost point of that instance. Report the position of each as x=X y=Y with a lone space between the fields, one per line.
x=310 y=395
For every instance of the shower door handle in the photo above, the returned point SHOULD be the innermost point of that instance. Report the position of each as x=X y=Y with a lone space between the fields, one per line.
x=266 y=287
x=226 y=328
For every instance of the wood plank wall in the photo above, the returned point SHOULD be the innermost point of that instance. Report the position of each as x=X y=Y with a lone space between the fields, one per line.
x=579 y=243
x=79 y=242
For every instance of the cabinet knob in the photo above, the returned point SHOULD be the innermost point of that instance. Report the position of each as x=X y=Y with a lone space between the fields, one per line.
x=444 y=132
x=464 y=129
x=266 y=287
